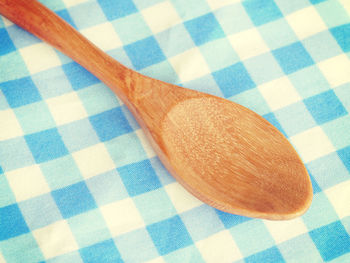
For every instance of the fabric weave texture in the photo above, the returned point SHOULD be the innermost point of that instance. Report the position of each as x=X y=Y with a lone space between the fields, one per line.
x=79 y=181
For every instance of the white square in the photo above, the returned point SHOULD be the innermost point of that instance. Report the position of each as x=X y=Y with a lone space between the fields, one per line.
x=9 y=126
x=306 y=22
x=215 y=4
x=312 y=144
x=55 y=239
x=285 y=230
x=181 y=198
x=7 y=22
x=248 y=43
x=39 y=57
x=219 y=248
x=346 y=5
x=145 y=143
x=122 y=217
x=93 y=160
x=103 y=36
x=27 y=182
x=161 y=16
x=339 y=196
x=156 y=260
x=66 y=108
x=69 y=3
x=190 y=65
x=279 y=93
x=336 y=70
x=2 y=259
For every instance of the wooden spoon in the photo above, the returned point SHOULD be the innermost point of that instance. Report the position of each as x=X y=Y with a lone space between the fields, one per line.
x=223 y=153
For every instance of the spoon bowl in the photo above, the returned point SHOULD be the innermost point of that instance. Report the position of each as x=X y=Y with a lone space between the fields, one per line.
x=223 y=153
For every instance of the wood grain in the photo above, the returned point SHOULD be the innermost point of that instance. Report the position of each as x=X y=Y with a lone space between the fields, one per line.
x=223 y=153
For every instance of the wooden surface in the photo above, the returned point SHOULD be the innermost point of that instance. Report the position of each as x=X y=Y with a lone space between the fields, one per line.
x=223 y=153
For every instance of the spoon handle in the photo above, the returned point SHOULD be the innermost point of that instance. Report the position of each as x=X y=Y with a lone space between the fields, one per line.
x=49 y=27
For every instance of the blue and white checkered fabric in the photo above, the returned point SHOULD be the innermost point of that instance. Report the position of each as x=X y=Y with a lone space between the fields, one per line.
x=80 y=183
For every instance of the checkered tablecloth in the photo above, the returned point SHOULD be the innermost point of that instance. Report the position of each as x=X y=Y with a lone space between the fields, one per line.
x=79 y=181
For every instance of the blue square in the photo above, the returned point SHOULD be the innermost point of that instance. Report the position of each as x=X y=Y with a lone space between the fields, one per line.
x=3 y=103
x=79 y=77
x=131 y=29
x=89 y=228
x=20 y=92
x=174 y=40
x=233 y=80
x=164 y=176
x=169 y=235
x=162 y=207
x=317 y=1
x=320 y=213
x=103 y=252
x=20 y=37
x=325 y=107
x=271 y=118
x=78 y=135
x=190 y=254
x=271 y=255
x=107 y=188
x=34 y=117
x=233 y=18
x=262 y=11
x=40 y=211
x=68 y=257
x=295 y=118
x=253 y=100
x=46 y=145
x=139 y=178
x=66 y=16
x=190 y=9
x=52 y=82
x=315 y=187
x=202 y=222
x=54 y=169
x=288 y=7
x=15 y=67
x=11 y=222
x=205 y=84
x=163 y=71
x=278 y=33
x=139 y=239
x=300 y=249
x=230 y=220
x=116 y=9
x=126 y=149
x=219 y=54
x=331 y=240
x=204 y=29
x=341 y=34
x=322 y=46
x=87 y=14
x=6 y=43
x=23 y=248
x=309 y=81
x=293 y=57
x=110 y=124
x=328 y=170
x=263 y=68
x=74 y=199
x=98 y=98
x=344 y=155
x=14 y=153
x=144 y=53
x=255 y=239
